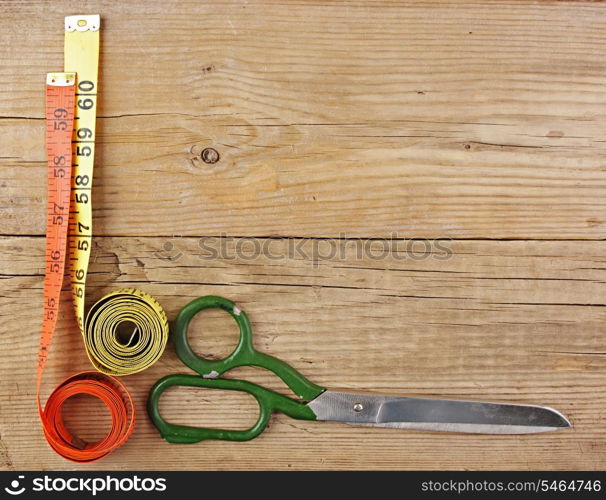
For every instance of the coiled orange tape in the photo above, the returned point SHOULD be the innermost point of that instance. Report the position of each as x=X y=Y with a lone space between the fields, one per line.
x=115 y=397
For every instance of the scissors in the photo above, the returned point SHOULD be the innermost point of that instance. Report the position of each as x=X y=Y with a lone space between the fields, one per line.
x=316 y=403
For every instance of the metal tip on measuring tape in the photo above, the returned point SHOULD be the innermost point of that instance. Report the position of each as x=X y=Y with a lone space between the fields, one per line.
x=83 y=23
x=60 y=79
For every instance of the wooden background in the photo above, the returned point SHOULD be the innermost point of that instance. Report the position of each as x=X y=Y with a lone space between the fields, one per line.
x=482 y=122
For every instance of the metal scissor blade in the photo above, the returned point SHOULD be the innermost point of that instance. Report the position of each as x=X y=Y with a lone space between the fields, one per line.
x=436 y=414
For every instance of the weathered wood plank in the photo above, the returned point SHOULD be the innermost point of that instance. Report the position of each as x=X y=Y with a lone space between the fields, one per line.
x=460 y=119
x=505 y=321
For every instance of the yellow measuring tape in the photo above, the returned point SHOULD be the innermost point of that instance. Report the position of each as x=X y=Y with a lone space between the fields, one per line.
x=110 y=352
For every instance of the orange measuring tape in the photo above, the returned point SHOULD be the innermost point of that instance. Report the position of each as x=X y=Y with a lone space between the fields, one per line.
x=71 y=107
x=60 y=97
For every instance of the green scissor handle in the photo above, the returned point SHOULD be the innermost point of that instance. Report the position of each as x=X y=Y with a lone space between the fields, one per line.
x=269 y=401
x=243 y=355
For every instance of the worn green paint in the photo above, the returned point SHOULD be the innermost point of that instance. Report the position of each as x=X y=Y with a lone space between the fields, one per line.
x=244 y=355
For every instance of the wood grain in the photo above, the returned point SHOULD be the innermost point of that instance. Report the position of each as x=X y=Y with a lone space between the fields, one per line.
x=504 y=321
x=338 y=125
x=460 y=119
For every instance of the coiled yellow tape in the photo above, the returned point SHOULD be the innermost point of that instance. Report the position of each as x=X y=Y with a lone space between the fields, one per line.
x=122 y=353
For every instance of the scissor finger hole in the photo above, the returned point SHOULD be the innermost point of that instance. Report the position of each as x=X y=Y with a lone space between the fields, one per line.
x=209 y=408
x=213 y=334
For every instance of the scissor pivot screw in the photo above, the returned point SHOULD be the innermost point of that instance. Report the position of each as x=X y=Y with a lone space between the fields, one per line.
x=358 y=407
